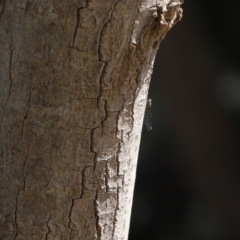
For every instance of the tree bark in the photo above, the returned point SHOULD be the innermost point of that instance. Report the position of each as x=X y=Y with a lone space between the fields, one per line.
x=74 y=83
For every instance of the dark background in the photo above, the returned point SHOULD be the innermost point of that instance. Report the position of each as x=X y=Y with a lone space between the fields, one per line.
x=187 y=184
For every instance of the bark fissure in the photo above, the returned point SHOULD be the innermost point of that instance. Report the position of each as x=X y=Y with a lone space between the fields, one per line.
x=118 y=152
x=100 y=55
x=15 y=218
x=69 y=218
x=24 y=166
x=19 y=191
x=27 y=6
x=83 y=181
x=115 y=213
x=10 y=71
x=106 y=176
x=91 y=142
x=98 y=228
x=92 y=150
x=49 y=180
x=78 y=22
x=79 y=50
x=74 y=199
x=132 y=116
x=105 y=112
x=48 y=227
x=77 y=25
x=3 y=8
x=26 y=115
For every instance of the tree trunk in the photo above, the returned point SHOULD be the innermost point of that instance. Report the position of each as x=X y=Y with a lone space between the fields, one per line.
x=74 y=83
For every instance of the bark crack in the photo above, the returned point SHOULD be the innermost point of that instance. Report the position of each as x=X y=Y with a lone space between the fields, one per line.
x=107 y=176
x=78 y=21
x=118 y=153
x=106 y=114
x=16 y=209
x=69 y=218
x=49 y=179
x=100 y=55
x=83 y=181
x=98 y=228
x=91 y=149
x=115 y=213
x=120 y=143
x=26 y=115
x=27 y=6
x=3 y=8
x=24 y=166
x=23 y=188
x=10 y=71
x=73 y=200
x=77 y=25
x=132 y=118
x=48 y=227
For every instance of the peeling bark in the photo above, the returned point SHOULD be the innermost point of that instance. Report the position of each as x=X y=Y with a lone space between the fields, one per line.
x=74 y=84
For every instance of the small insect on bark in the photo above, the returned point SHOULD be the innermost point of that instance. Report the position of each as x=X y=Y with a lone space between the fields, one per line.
x=148 y=115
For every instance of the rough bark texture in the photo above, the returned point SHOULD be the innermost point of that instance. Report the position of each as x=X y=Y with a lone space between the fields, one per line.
x=74 y=83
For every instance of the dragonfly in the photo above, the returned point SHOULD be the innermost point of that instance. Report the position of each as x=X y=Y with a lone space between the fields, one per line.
x=148 y=115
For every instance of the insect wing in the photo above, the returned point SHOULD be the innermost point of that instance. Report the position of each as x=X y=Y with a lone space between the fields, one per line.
x=149 y=119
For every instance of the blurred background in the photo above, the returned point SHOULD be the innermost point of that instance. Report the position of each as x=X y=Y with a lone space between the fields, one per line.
x=187 y=184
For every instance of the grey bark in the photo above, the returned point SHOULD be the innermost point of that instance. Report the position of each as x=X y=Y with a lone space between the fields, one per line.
x=74 y=82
